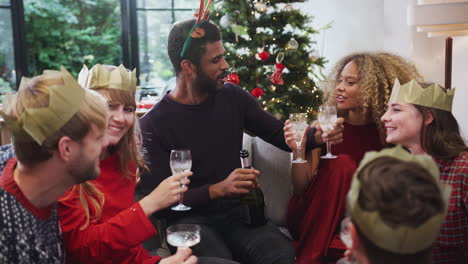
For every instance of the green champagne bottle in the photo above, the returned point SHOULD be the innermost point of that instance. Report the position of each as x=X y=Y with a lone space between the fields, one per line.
x=254 y=203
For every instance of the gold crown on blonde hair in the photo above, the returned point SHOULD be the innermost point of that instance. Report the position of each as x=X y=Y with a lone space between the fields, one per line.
x=42 y=122
x=432 y=96
x=100 y=77
x=400 y=239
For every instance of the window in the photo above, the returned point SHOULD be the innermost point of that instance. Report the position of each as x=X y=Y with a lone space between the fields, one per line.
x=50 y=33
x=7 y=59
x=72 y=33
x=154 y=19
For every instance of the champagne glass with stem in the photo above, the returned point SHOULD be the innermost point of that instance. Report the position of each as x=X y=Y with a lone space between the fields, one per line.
x=180 y=161
x=345 y=236
x=299 y=125
x=327 y=117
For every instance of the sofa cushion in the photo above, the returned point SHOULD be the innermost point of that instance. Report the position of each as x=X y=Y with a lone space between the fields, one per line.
x=274 y=165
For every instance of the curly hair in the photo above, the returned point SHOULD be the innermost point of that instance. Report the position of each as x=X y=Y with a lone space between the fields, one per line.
x=377 y=73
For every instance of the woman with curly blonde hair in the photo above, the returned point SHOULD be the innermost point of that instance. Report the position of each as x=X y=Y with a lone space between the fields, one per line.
x=362 y=84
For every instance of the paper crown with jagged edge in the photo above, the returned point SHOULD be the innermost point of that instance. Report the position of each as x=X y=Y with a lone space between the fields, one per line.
x=432 y=96
x=99 y=77
x=43 y=122
x=401 y=239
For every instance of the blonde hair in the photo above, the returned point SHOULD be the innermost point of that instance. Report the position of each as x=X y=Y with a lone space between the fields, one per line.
x=93 y=111
x=377 y=73
x=126 y=148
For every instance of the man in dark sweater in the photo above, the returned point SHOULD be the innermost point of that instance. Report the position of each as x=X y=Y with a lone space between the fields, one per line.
x=58 y=130
x=208 y=116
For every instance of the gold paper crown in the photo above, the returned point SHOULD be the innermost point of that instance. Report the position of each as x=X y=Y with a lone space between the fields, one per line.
x=401 y=239
x=42 y=122
x=101 y=78
x=432 y=96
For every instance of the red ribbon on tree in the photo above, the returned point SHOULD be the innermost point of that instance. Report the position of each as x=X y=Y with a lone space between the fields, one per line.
x=234 y=78
x=257 y=92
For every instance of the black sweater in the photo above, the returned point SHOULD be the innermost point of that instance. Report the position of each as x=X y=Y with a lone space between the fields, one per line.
x=213 y=132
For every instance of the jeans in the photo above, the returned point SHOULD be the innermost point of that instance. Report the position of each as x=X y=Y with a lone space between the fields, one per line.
x=224 y=235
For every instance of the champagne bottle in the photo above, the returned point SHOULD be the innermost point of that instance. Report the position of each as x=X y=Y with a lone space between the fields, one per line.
x=254 y=202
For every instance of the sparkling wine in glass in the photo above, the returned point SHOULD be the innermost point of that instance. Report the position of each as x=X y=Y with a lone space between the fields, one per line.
x=299 y=125
x=180 y=161
x=183 y=236
x=327 y=117
x=345 y=236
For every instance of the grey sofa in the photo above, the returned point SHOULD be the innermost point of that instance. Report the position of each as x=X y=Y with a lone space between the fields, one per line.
x=274 y=165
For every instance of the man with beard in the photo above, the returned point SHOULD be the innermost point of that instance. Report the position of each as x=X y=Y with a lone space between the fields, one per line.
x=208 y=117
x=58 y=133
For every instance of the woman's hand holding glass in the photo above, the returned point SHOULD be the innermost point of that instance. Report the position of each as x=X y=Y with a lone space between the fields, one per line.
x=295 y=144
x=166 y=193
x=183 y=236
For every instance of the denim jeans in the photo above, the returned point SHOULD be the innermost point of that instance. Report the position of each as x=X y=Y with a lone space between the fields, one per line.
x=224 y=235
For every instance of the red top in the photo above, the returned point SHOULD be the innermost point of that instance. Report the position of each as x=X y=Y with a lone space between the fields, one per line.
x=314 y=217
x=452 y=244
x=357 y=140
x=8 y=183
x=118 y=235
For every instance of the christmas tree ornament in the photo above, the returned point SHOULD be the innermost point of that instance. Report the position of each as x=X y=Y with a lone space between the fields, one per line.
x=277 y=76
x=313 y=55
x=225 y=21
x=292 y=44
x=288 y=8
x=257 y=92
x=261 y=7
x=236 y=30
x=233 y=77
x=264 y=55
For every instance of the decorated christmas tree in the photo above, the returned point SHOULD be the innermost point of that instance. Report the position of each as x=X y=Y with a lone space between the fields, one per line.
x=270 y=47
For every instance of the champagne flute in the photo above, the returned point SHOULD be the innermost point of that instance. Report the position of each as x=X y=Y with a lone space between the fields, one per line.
x=327 y=117
x=345 y=236
x=299 y=125
x=180 y=161
x=183 y=235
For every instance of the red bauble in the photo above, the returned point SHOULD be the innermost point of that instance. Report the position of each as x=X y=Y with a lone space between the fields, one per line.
x=263 y=55
x=233 y=78
x=257 y=92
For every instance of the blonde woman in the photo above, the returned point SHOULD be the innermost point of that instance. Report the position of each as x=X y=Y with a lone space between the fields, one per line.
x=100 y=220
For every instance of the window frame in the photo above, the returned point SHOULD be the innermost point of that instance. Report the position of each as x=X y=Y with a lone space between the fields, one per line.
x=19 y=38
x=132 y=38
x=129 y=41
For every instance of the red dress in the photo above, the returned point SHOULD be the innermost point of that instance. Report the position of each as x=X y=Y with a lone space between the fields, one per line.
x=314 y=218
x=118 y=235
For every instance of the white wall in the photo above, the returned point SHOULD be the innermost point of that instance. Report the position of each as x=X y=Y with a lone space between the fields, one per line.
x=381 y=25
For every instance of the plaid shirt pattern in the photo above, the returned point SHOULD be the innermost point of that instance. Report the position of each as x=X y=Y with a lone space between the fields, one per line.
x=452 y=244
x=6 y=152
